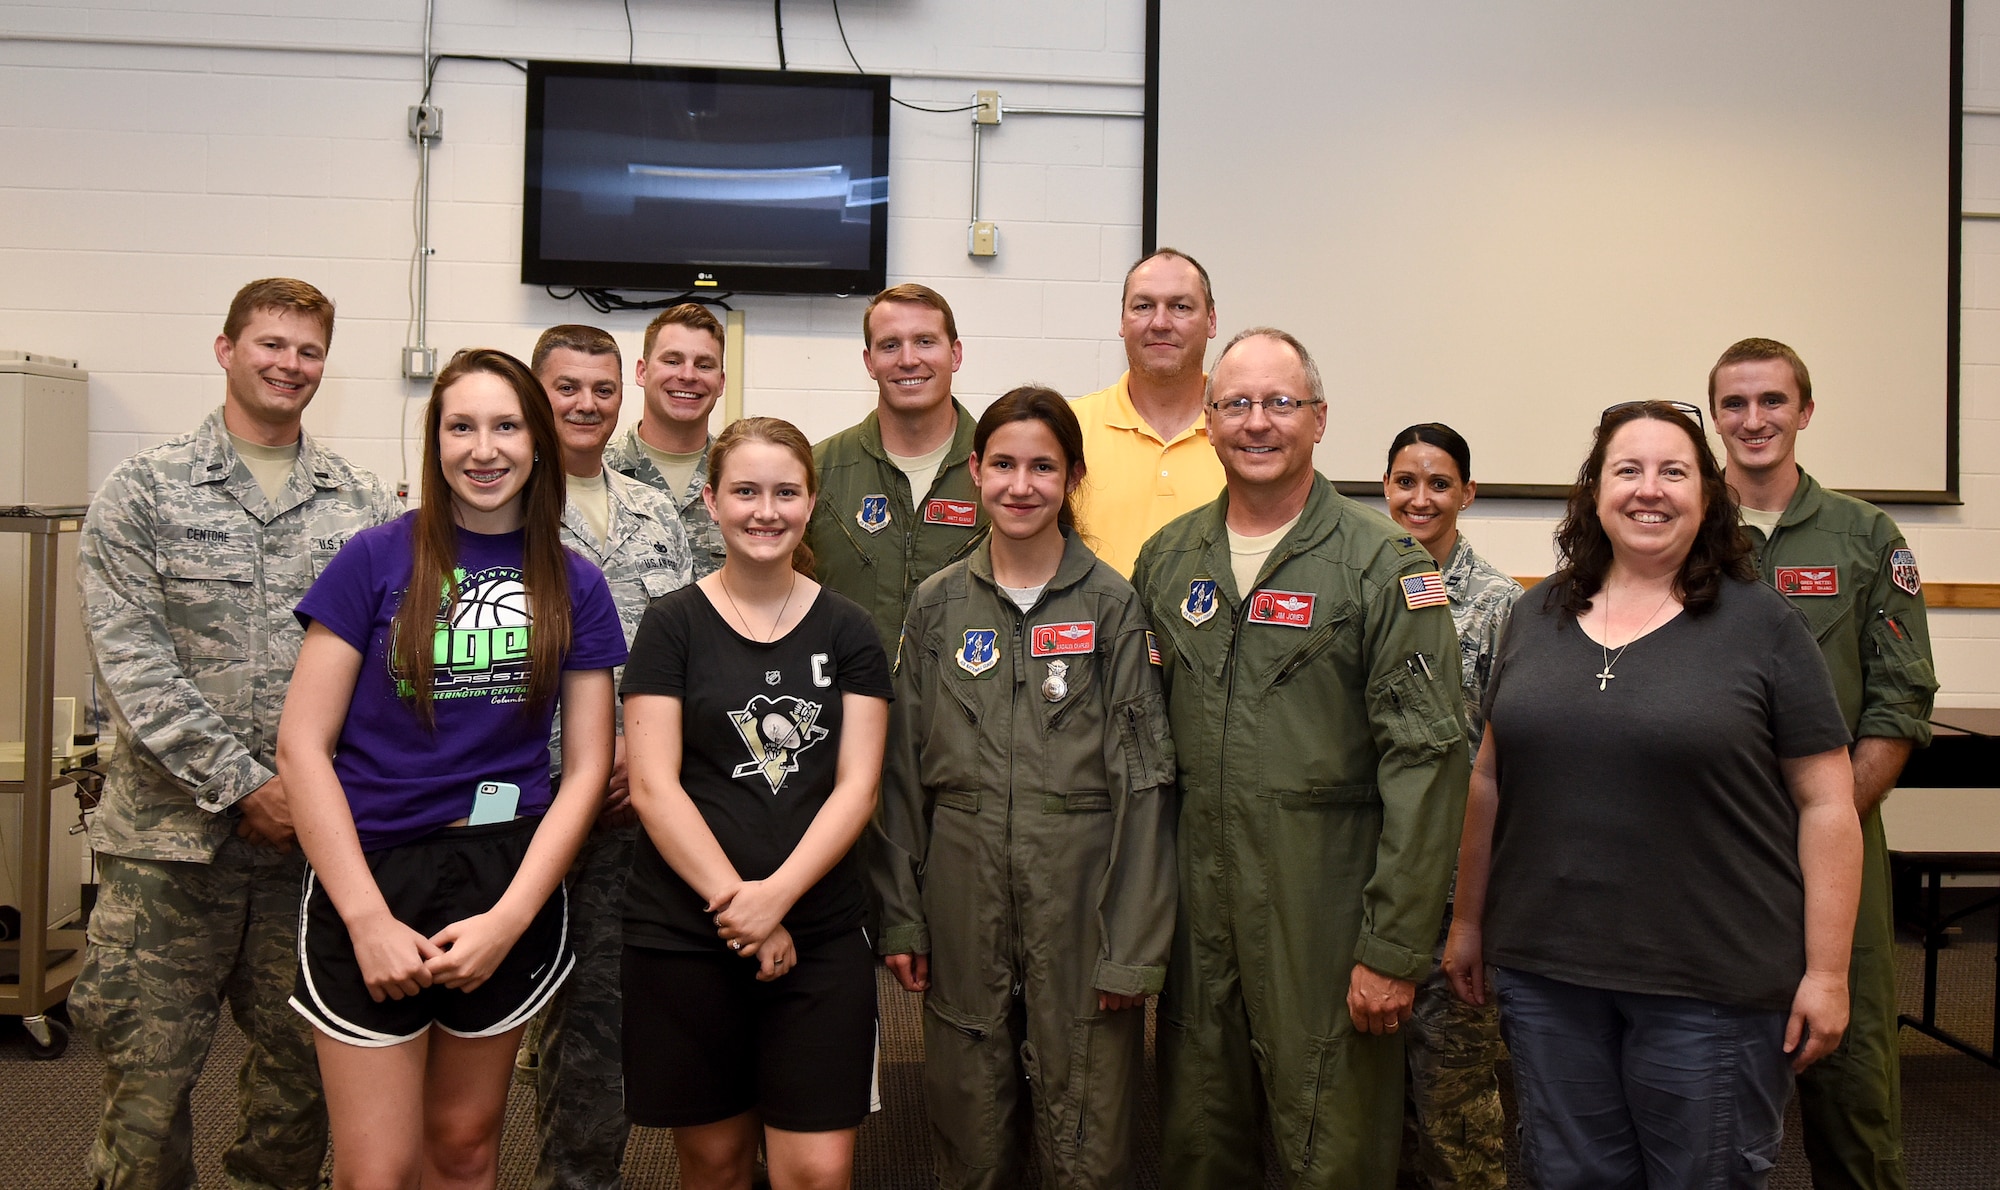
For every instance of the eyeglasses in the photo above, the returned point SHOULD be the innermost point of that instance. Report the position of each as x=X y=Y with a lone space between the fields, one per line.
x=1280 y=406
x=1693 y=411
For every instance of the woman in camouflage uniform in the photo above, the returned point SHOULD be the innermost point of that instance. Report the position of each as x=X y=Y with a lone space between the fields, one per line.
x=1453 y=1101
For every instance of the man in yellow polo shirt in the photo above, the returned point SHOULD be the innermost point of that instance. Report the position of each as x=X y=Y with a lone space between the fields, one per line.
x=1143 y=437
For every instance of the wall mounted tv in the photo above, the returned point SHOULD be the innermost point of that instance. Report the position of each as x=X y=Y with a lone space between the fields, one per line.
x=682 y=178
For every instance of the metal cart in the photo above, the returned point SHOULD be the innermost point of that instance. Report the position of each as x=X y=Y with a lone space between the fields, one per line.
x=45 y=962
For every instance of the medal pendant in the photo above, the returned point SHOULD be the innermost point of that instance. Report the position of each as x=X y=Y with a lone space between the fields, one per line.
x=1055 y=687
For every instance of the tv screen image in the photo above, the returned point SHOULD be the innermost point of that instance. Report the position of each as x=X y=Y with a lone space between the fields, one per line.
x=650 y=177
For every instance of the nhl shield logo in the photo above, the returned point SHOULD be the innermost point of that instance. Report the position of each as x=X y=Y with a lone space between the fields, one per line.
x=980 y=652
x=874 y=514
x=1199 y=608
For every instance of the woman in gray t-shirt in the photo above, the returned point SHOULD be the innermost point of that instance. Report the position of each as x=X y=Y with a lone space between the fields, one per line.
x=1661 y=856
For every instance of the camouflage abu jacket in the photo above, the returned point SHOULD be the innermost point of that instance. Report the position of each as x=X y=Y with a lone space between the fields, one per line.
x=1481 y=600
x=627 y=457
x=189 y=579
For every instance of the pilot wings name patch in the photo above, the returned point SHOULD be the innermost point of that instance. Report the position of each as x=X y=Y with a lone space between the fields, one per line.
x=1051 y=640
x=963 y=513
x=1424 y=590
x=1807 y=580
x=1287 y=609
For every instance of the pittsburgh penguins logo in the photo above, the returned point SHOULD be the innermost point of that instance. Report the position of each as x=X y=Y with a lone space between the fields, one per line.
x=775 y=731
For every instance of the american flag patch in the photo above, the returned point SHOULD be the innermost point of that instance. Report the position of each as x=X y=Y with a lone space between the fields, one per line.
x=1152 y=648
x=1424 y=590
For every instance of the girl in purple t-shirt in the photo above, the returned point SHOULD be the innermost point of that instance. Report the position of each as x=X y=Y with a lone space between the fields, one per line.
x=414 y=754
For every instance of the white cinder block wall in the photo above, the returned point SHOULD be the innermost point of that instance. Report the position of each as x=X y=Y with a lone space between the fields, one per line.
x=158 y=155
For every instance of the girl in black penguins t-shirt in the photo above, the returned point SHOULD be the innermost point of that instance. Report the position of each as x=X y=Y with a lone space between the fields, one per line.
x=756 y=709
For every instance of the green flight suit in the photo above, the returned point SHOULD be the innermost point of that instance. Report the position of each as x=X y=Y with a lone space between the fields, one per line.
x=1026 y=844
x=1838 y=559
x=1319 y=733
x=872 y=541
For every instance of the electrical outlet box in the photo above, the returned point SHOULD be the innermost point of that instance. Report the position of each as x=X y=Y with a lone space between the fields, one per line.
x=420 y=363
x=982 y=239
x=987 y=110
x=426 y=122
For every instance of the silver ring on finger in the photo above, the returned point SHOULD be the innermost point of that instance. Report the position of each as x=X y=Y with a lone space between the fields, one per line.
x=735 y=945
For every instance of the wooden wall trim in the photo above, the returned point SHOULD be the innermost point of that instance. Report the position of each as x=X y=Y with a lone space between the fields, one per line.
x=1982 y=596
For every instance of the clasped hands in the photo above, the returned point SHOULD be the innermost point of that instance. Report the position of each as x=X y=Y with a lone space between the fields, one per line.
x=750 y=918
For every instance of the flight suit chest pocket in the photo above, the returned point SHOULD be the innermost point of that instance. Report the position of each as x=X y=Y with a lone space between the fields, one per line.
x=1062 y=690
x=210 y=597
x=1823 y=615
x=1318 y=640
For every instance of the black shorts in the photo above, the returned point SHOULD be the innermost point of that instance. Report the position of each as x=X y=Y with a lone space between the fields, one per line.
x=705 y=1041
x=441 y=878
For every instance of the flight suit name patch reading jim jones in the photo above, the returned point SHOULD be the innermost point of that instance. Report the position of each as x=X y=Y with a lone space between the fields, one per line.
x=1288 y=609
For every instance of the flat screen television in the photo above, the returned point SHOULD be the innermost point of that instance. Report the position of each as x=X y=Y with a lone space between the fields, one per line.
x=685 y=178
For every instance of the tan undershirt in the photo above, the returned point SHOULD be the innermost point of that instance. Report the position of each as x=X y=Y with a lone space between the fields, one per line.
x=270 y=465
x=592 y=498
x=1247 y=554
x=676 y=469
x=921 y=469
x=1767 y=521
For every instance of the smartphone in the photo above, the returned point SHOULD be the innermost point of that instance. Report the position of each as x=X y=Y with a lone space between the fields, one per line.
x=494 y=801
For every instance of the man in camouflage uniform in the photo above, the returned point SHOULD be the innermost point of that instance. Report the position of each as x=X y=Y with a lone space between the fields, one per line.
x=1845 y=565
x=1311 y=674
x=193 y=556
x=634 y=534
x=680 y=368
x=896 y=501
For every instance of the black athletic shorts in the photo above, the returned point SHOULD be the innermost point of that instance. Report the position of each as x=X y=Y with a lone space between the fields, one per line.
x=705 y=1041
x=444 y=877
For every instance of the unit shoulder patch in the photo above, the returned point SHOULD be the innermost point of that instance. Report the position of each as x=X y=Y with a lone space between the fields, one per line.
x=1903 y=569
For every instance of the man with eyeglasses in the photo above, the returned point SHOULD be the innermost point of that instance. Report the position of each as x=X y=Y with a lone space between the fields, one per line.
x=1312 y=683
x=1846 y=566
x=1147 y=444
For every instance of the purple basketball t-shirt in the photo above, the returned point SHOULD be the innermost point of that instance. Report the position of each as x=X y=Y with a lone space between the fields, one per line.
x=403 y=781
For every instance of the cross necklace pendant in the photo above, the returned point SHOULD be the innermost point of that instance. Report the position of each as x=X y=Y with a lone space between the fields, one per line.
x=1605 y=675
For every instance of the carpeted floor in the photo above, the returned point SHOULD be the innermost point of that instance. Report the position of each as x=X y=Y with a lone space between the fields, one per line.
x=1951 y=1104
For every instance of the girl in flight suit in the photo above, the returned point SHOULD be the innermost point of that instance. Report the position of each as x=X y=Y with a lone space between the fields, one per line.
x=1023 y=849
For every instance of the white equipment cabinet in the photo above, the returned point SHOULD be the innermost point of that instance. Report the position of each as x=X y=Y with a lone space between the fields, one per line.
x=44 y=444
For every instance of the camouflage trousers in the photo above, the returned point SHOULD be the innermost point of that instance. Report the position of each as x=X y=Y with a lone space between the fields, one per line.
x=580 y=1087
x=1453 y=1111
x=169 y=943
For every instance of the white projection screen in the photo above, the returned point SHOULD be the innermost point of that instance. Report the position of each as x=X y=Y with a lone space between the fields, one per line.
x=1507 y=216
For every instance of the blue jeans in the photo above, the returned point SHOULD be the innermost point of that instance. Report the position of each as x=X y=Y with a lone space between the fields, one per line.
x=1627 y=1091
